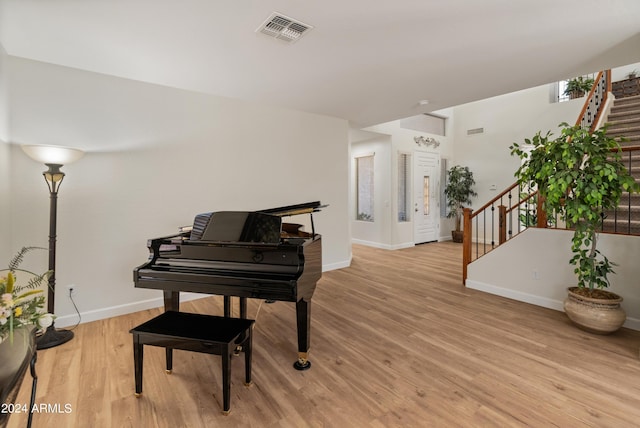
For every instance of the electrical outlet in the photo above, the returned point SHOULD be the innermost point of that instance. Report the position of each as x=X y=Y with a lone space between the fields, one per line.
x=72 y=289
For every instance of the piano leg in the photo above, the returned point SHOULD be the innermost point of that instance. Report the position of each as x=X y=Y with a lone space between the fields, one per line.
x=243 y=308
x=171 y=300
x=303 y=320
x=227 y=306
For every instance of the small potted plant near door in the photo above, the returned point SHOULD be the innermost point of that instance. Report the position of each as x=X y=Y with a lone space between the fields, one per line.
x=578 y=86
x=459 y=191
x=580 y=176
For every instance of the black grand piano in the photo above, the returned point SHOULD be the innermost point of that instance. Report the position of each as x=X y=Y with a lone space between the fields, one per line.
x=239 y=253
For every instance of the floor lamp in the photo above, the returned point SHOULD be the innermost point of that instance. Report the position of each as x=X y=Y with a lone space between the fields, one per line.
x=53 y=158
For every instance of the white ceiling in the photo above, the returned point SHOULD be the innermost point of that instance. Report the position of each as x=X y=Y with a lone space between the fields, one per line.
x=368 y=61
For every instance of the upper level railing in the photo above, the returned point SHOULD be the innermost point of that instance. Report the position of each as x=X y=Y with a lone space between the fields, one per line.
x=515 y=209
x=596 y=100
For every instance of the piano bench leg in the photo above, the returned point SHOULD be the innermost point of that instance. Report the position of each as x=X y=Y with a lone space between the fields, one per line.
x=173 y=330
x=169 y=355
x=247 y=347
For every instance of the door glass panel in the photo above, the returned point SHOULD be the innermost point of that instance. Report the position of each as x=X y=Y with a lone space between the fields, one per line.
x=425 y=195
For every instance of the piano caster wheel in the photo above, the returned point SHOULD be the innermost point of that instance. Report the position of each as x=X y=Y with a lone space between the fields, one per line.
x=302 y=365
x=138 y=394
x=269 y=301
x=248 y=384
x=167 y=371
x=226 y=412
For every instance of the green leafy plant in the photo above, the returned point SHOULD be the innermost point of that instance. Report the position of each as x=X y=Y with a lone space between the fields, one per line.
x=578 y=86
x=459 y=191
x=21 y=304
x=580 y=175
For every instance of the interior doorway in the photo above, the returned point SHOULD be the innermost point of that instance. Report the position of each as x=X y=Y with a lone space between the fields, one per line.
x=426 y=185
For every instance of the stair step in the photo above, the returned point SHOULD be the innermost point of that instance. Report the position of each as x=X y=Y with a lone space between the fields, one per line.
x=633 y=229
x=623 y=212
x=625 y=132
x=630 y=140
x=625 y=100
x=623 y=122
x=617 y=113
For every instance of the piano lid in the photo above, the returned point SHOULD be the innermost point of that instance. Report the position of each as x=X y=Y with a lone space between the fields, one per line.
x=289 y=210
x=247 y=226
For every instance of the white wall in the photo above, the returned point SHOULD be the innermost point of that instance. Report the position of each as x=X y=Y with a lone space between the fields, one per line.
x=534 y=267
x=5 y=176
x=621 y=73
x=155 y=158
x=506 y=119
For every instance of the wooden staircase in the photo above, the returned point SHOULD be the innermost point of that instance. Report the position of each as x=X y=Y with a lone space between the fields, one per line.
x=624 y=121
x=501 y=219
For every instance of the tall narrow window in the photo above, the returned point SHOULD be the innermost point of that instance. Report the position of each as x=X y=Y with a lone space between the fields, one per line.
x=425 y=195
x=404 y=198
x=364 y=189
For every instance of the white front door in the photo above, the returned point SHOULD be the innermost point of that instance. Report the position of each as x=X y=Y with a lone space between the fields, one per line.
x=426 y=185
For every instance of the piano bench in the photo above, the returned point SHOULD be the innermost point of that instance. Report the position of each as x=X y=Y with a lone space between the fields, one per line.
x=198 y=333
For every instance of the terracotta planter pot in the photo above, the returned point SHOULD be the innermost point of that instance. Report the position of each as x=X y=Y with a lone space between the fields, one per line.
x=600 y=316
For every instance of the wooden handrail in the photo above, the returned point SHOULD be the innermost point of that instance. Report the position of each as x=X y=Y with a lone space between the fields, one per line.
x=604 y=99
x=521 y=201
x=628 y=149
x=495 y=199
x=586 y=103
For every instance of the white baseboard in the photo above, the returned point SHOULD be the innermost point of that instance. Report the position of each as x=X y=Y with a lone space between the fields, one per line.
x=516 y=295
x=371 y=244
x=383 y=246
x=114 y=311
x=631 y=323
x=336 y=266
x=403 y=245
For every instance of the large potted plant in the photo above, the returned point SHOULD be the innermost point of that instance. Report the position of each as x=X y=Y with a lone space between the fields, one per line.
x=580 y=175
x=459 y=191
x=578 y=86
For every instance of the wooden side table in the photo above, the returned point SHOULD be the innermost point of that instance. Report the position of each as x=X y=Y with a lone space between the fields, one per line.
x=15 y=358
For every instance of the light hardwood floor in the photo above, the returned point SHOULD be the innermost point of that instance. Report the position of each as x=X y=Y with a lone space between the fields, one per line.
x=396 y=341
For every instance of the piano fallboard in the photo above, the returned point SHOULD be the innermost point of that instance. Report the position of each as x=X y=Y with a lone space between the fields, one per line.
x=259 y=280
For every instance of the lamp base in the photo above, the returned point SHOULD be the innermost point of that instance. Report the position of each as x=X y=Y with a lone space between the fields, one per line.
x=53 y=337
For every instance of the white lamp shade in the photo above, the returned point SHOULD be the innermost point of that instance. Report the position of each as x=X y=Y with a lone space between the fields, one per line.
x=53 y=154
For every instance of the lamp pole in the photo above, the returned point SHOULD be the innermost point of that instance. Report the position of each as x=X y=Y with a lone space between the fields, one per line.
x=53 y=157
x=53 y=337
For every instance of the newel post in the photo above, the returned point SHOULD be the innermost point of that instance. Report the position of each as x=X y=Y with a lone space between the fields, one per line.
x=540 y=212
x=466 y=242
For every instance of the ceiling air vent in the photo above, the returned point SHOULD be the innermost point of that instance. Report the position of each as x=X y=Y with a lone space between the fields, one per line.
x=284 y=28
